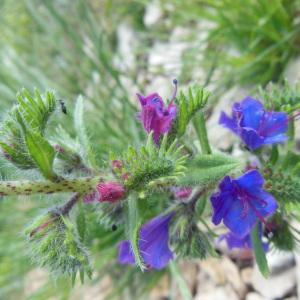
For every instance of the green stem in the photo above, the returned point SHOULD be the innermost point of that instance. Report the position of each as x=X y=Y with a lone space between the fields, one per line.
x=199 y=125
x=26 y=187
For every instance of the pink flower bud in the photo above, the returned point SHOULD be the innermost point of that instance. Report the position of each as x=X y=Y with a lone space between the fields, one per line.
x=125 y=176
x=182 y=192
x=110 y=191
x=116 y=164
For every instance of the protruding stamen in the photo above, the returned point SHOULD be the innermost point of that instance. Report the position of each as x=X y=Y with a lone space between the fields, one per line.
x=175 y=82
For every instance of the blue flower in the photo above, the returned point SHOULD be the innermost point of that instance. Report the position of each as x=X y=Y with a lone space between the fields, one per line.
x=255 y=125
x=155 y=116
x=245 y=242
x=241 y=202
x=153 y=244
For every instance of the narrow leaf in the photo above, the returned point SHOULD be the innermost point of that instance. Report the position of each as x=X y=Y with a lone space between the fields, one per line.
x=183 y=287
x=88 y=155
x=41 y=152
x=259 y=252
x=134 y=227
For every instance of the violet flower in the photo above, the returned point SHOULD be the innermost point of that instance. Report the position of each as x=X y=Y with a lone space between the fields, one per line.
x=241 y=202
x=245 y=242
x=155 y=116
x=255 y=125
x=153 y=244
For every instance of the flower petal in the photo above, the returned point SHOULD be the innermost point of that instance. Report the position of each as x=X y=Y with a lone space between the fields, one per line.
x=126 y=255
x=239 y=222
x=264 y=203
x=252 y=111
x=251 y=138
x=273 y=123
x=249 y=181
x=222 y=201
x=230 y=123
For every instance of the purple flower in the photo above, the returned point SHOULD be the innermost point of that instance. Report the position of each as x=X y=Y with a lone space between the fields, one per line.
x=155 y=116
x=153 y=244
x=234 y=241
x=241 y=202
x=255 y=125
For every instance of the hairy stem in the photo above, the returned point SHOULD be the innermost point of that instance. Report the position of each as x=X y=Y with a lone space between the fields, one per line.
x=26 y=187
x=67 y=207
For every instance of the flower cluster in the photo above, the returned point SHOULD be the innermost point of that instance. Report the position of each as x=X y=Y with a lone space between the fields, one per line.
x=240 y=203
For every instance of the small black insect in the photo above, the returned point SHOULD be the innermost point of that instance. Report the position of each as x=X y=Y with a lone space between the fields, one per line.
x=114 y=227
x=63 y=106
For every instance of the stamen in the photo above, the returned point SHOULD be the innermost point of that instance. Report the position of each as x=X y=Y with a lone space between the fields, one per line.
x=175 y=82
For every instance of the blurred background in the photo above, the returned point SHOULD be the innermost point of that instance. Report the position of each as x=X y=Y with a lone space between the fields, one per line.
x=107 y=50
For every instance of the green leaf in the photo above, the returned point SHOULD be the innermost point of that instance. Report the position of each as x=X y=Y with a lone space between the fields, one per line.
x=29 y=115
x=209 y=169
x=274 y=155
x=86 y=148
x=183 y=287
x=135 y=222
x=291 y=162
x=81 y=221
x=260 y=255
x=58 y=247
x=42 y=153
x=188 y=104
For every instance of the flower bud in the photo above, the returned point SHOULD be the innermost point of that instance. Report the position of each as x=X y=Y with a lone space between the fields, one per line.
x=116 y=164
x=182 y=192
x=110 y=191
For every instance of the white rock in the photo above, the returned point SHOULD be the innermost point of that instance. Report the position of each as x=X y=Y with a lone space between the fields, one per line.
x=292 y=73
x=279 y=260
x=255 y=296
x=162 y=85
x=297 y=258
x=189 y=271
x=166 y=58
x=233 y=276
x=217 y=293
x=97 y=291
x=161 y=290
x=246 y=275
x=153 y=13
x=276 y=286
x=126 y=44
x=213 y=269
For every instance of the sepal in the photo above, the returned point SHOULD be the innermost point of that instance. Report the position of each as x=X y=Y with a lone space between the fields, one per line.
x=150 y=164
x=55 y=244
x=188 y=104
x=187 y=239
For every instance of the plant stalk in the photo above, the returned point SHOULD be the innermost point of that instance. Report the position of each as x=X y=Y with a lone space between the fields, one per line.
x=27 y=187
